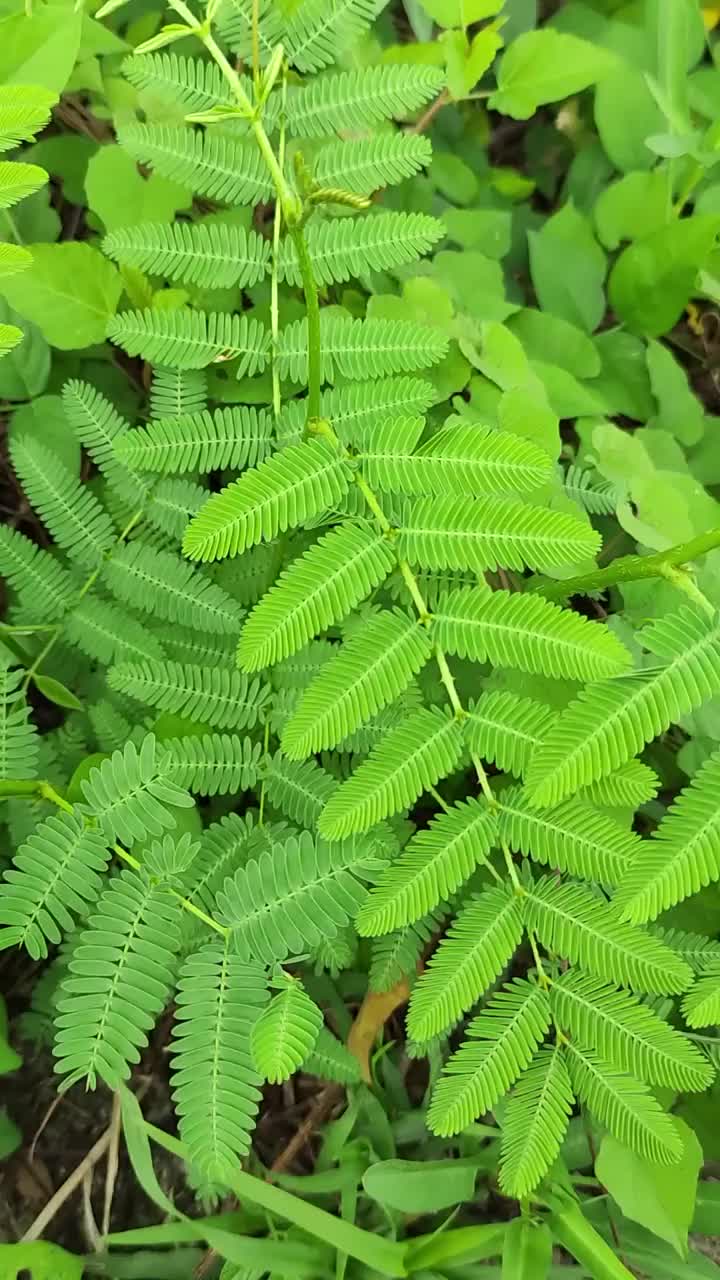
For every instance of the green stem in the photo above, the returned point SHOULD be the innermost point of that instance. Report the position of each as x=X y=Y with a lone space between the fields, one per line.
x=12 y=227
x=629 y=569
x=424 y=615
x=274 y=280
x=312 y=306
x=284 y=194
x=682 y=580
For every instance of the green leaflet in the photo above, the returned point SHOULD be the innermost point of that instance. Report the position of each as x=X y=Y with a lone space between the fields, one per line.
x=19 y=743
x=160 y=583
x=294 y=895
x=371 y=670
x=476 y=948
x=210 y=164
x=342 y=249
x=54 y=878
x=683 y=854
x=215 y=1084
x=627 y=1108
x=576 y=923
x=627 y=1032
x=536 y=1118
x=573 y=837
x=214 y=255
x=465 y=458
x=135 y=930
x=512 y=631
x=352 y=99
x=610 y=722
x=192 y=339
x=424 y=748
x=216 y=696
x=285 y=490
x=451 y=533
x=434 y=863
x=285 y=1034
x=231 y=438
x=129 y=795
x=72 y=514
x=316 y=590
x=505 y=728
x=501 y=1043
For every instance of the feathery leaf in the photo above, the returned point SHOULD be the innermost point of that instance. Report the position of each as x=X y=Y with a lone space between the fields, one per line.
x=217 y=696
x=286 y=1033
x=536 y=1118
x=359 y=98
x=54 y=877
x=683 y=853
x=624 y=1106
x=424 y=747
x=215 y=1084
x=477 y=947
x=316 y=590
x=577 y=924
x=435 y=862
x=491 y=533
x=283 y=492
x=611 y=722
x=511 y=631
x=371 y=670
x=210 y=255
x=501 y=1043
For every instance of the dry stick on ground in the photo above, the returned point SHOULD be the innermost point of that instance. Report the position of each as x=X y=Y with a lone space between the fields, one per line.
x=73 y=1181
x=90 y=1227
x=428 y=116
x=320 y=1109
x=111 y=1169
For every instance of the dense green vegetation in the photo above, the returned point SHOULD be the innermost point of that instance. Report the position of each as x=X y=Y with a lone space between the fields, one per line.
x=360 y=662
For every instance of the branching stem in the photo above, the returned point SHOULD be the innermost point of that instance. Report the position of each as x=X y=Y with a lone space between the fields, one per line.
x=629 y=569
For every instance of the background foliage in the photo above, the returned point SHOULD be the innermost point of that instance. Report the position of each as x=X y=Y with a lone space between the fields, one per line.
x=361 y=640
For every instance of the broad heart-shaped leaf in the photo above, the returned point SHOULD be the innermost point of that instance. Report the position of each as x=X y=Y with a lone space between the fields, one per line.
x=653 y=278
x=421 y=1186
x=659 y=1197
x=70 y=292
x=568 y=269
x=24 y=364
x=117 y=192
x=545 y=66
x=39 y=1259
x=39 y=47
